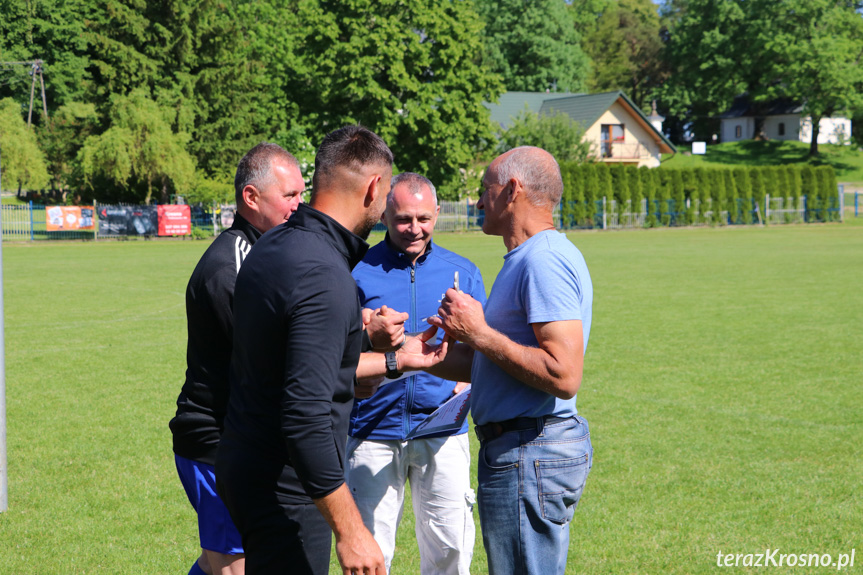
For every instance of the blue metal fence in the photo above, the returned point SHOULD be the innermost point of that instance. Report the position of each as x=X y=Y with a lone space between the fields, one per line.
x=28 y=221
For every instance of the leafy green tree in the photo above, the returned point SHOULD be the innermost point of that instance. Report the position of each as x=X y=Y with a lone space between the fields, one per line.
x=626 y=50
x=71 y=125
x=533 y=45
x=557 y=133
x=731 y=196
x=809 y=189
x=620 y=189
x=817 y=48
x=22 y=162
x=678 y=197
x=700 y=195
x=705 y=53
x=636 y=190
x=138 y=151
x=744 y=193
x=53 y=31
x=718 y=196
x=409 y=71
x=649 y=180
x=578 y=182
x=808 y=51
x=591 y=193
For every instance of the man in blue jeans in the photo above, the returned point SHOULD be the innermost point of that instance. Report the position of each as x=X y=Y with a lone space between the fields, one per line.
x=524 y=354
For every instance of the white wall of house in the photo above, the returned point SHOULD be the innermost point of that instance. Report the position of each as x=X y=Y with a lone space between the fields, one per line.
x=830 y=130
x=728 y=129
x=639 y=146
x=789 y=123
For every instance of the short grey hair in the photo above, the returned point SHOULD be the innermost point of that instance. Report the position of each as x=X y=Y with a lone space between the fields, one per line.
x=256 y=167
x=415 y=182
x=538 y=173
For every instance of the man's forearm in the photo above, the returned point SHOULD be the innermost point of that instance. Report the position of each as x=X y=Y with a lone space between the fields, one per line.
x=355 y=546
x=545 y=369
x=340 y=511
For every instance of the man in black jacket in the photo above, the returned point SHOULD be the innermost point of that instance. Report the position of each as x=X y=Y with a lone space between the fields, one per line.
x=297 y=341
x=268 y=187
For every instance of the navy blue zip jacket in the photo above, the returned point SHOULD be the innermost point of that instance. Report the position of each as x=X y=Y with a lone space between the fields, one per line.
x=386 y=277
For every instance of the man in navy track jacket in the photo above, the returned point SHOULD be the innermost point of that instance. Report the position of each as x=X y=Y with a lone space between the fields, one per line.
x=409 y=273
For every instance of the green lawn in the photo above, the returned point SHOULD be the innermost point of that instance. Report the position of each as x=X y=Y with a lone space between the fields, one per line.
x=846 y=160
x=722 y=386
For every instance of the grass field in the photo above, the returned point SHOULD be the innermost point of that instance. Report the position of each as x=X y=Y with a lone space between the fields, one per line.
x=722 y=385
x=846 y=160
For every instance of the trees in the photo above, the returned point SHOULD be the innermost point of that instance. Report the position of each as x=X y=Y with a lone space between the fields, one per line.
x=708 y=59
x=409 y=71
x=818 y=57
x=533 y=45
x=23 y=163
x=625 y=50
x=138 y=151
x=556 y=133
x=807 y=51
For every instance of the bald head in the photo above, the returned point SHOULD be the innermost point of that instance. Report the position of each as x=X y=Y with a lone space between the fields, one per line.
x=536 y=170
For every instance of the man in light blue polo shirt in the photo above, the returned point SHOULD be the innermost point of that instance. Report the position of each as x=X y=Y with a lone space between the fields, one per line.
x=524 y=353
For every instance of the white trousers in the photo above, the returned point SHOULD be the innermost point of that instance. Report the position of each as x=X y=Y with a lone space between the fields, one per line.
x=439 y=473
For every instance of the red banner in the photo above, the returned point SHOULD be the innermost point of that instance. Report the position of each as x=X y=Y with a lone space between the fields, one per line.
x=175 y=220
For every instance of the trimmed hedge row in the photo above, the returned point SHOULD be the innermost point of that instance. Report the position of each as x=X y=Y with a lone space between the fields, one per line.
x=695 y=196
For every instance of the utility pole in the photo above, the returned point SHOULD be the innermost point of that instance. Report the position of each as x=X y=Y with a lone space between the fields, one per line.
x=35 y=70
x=4 y=483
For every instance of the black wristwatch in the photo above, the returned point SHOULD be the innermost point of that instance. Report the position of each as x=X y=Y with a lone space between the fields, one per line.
x=392 y=365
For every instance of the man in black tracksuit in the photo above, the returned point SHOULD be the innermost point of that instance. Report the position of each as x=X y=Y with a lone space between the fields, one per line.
x=297 y=341
x=268 y=187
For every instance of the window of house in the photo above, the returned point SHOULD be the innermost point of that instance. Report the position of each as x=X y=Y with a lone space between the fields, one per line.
x=738 y=131
x=781 y=128
x=611 y=134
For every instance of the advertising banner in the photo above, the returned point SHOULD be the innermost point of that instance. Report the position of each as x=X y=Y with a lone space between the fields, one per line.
x=69 y=218
x=128 y=220
x=175 y=220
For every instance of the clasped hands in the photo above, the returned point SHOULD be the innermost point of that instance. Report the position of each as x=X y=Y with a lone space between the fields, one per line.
x=386 y=331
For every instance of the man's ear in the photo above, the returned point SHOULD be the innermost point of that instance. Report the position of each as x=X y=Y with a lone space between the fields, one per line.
x=372 y=190
x=514 y=190
x=250 y=197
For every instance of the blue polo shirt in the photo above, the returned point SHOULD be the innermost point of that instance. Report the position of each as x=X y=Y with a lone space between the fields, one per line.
x=544 y=279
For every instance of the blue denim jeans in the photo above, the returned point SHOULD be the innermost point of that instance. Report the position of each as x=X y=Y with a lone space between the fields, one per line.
x=529 y=485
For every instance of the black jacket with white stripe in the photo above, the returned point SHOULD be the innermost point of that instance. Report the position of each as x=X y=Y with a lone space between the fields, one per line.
x=203 y=401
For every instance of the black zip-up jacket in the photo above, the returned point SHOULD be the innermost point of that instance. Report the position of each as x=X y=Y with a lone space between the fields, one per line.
x=297 y=341
x=203 y=401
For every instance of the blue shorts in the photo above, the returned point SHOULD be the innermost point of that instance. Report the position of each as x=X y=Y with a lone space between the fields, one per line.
x=215 y=528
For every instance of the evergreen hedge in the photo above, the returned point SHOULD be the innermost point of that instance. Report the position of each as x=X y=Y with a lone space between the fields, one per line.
x=699 y=196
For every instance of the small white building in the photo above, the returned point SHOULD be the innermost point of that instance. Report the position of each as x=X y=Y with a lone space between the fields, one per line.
x=783 y=120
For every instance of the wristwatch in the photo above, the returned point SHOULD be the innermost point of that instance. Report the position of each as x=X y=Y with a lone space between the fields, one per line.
x=392 y=365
